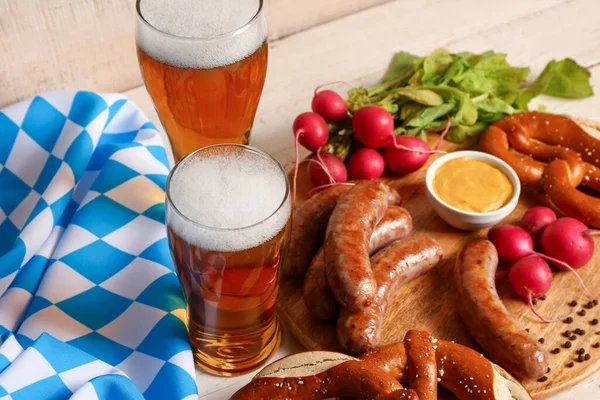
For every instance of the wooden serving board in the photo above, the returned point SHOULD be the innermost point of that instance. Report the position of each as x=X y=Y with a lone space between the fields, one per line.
x=428 y=303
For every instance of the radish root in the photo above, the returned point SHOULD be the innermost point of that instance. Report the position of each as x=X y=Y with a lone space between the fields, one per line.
x=437 y=146
x=568 y=267
x=533 y=310
x=443 y=135
x=318 y=162
x=312 y=191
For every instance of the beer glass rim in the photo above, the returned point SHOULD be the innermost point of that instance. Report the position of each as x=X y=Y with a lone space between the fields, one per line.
x=221 y=36
x=221 y=145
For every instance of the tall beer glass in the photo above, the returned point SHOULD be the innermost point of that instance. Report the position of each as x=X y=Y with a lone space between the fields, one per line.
x=204 y=64
x=228 y=220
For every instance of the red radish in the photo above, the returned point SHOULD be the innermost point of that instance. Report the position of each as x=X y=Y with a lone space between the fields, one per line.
x=536 y=219
x=311 y=130
x=329 y=105
x=411 y=156
x=327 y=169
x=366 y=163
x=373 y=126
x=531 y=277
x=570 y=241
x=406 y=154
x=511 y=242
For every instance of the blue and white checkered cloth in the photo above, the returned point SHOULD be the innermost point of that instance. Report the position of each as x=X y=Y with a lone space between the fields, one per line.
x=90 y=307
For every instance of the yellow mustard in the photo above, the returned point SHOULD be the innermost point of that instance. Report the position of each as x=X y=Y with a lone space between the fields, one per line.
x=472 y=185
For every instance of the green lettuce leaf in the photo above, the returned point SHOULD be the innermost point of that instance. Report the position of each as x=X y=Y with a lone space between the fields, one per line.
x=435 y=66
x=401 y=68
x=563 y=78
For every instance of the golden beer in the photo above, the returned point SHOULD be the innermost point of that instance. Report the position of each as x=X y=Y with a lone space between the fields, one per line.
x=205 y=75
x=228 y=221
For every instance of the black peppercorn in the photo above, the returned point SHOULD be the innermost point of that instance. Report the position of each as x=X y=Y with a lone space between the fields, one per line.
x=569 y=320
x=541 y=340
x=580 y=358
x=570 y=365
x=543 y=297
x=581 y=351
x=587 y=357
x=589 y=305
x=557 y=350
x=543 y=379
x=596 y=345
x=595 y=301
x=568 y=345
x=572 y=337
x=594 y=321
x=573 y=303
x=581 y=313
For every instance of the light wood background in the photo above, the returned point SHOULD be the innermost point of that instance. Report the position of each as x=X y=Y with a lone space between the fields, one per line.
x=89 y=44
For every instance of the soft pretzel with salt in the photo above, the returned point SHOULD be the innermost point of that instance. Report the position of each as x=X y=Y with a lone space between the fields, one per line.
x=553 y=152
x=422 y=360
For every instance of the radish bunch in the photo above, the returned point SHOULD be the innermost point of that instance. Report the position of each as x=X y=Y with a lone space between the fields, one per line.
x=566 y=242
x=375 y=148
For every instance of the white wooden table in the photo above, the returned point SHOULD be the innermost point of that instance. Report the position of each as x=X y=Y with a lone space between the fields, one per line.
x=357 y=48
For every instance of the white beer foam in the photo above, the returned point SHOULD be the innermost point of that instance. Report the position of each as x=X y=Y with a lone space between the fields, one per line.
x=227 y=192
x=200 y=19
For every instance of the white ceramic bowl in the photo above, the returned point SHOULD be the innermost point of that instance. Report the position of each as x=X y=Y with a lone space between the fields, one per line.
x=467 y=220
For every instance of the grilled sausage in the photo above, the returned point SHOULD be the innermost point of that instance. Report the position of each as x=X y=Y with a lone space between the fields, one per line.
x=318 y=297
x=347 y=243
x=395 y=265
x=487 y=319
x=308 y=227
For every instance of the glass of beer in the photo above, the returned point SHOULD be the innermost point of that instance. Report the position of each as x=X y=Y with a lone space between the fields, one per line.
x=204 y=64
x=228 y=220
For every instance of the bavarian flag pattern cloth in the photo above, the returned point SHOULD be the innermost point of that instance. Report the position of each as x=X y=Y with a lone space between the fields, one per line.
x=90 y=307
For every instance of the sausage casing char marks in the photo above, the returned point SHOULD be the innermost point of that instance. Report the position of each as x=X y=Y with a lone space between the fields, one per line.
x=309 y=223
x=395 y=265
x=486 y=318
x=318 y=297
x=347 y=242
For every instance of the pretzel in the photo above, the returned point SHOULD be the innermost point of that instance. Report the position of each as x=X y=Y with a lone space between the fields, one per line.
x=321 y=375
x=554 y=153
x=463 y=371
x=376 y=374
x=420 y=356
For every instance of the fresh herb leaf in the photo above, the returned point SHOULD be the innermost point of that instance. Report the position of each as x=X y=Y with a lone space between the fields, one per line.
x=462 y=133
x=421 y=96
x=401 y=68
x=427 y=115
x=475 y=90
x=435 y=66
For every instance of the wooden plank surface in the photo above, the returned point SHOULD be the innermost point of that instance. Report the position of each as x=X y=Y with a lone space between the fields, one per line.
x=73 y=44
x=357 y=48
x=429 y=303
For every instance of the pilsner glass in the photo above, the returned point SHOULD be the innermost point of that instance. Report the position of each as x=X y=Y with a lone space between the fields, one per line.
x=204 y=64
x=228 y=220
